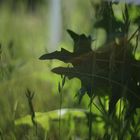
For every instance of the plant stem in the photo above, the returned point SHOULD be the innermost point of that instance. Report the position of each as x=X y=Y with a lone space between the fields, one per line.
x=90 y=119
x=60 y=88
x=60 y=114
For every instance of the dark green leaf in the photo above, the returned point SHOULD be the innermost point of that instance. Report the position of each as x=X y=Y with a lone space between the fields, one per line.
x=110 y=70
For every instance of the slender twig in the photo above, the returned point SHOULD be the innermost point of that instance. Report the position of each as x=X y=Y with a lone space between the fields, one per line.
x=90 y=119
x=98 y=108
x=137 y=30
x=102 y=106
x=1 y=135
x=137 y=42
x=60 y=106
x=60 y=88
x=30 y=96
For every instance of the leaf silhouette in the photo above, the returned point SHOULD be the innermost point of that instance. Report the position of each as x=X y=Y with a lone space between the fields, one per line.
x=63 y=55
x=82 y=45
x=114 y=71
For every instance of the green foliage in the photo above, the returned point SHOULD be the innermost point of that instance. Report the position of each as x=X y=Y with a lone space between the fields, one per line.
x=112 y=69
x=103 y=69
x=69 y=118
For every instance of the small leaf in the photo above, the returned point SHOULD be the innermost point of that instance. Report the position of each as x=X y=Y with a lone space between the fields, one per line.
x=63 y=80
x=81 y=93
x=74 y=36
x=62 y=55
x=59 y=87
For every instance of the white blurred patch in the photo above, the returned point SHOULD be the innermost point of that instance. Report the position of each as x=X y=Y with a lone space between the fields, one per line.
x=55 y=25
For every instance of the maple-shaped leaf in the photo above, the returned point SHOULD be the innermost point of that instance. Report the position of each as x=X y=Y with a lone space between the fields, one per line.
x=62 y=55
x=107 y=71
x=82 y=45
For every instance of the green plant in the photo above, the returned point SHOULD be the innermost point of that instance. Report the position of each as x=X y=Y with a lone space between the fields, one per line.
x=111 y=70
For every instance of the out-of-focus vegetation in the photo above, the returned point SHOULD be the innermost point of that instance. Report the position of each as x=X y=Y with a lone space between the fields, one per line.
x=24 y=36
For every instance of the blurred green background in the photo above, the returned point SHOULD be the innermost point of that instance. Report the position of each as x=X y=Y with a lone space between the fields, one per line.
x=29 y=29
x=27 y=32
